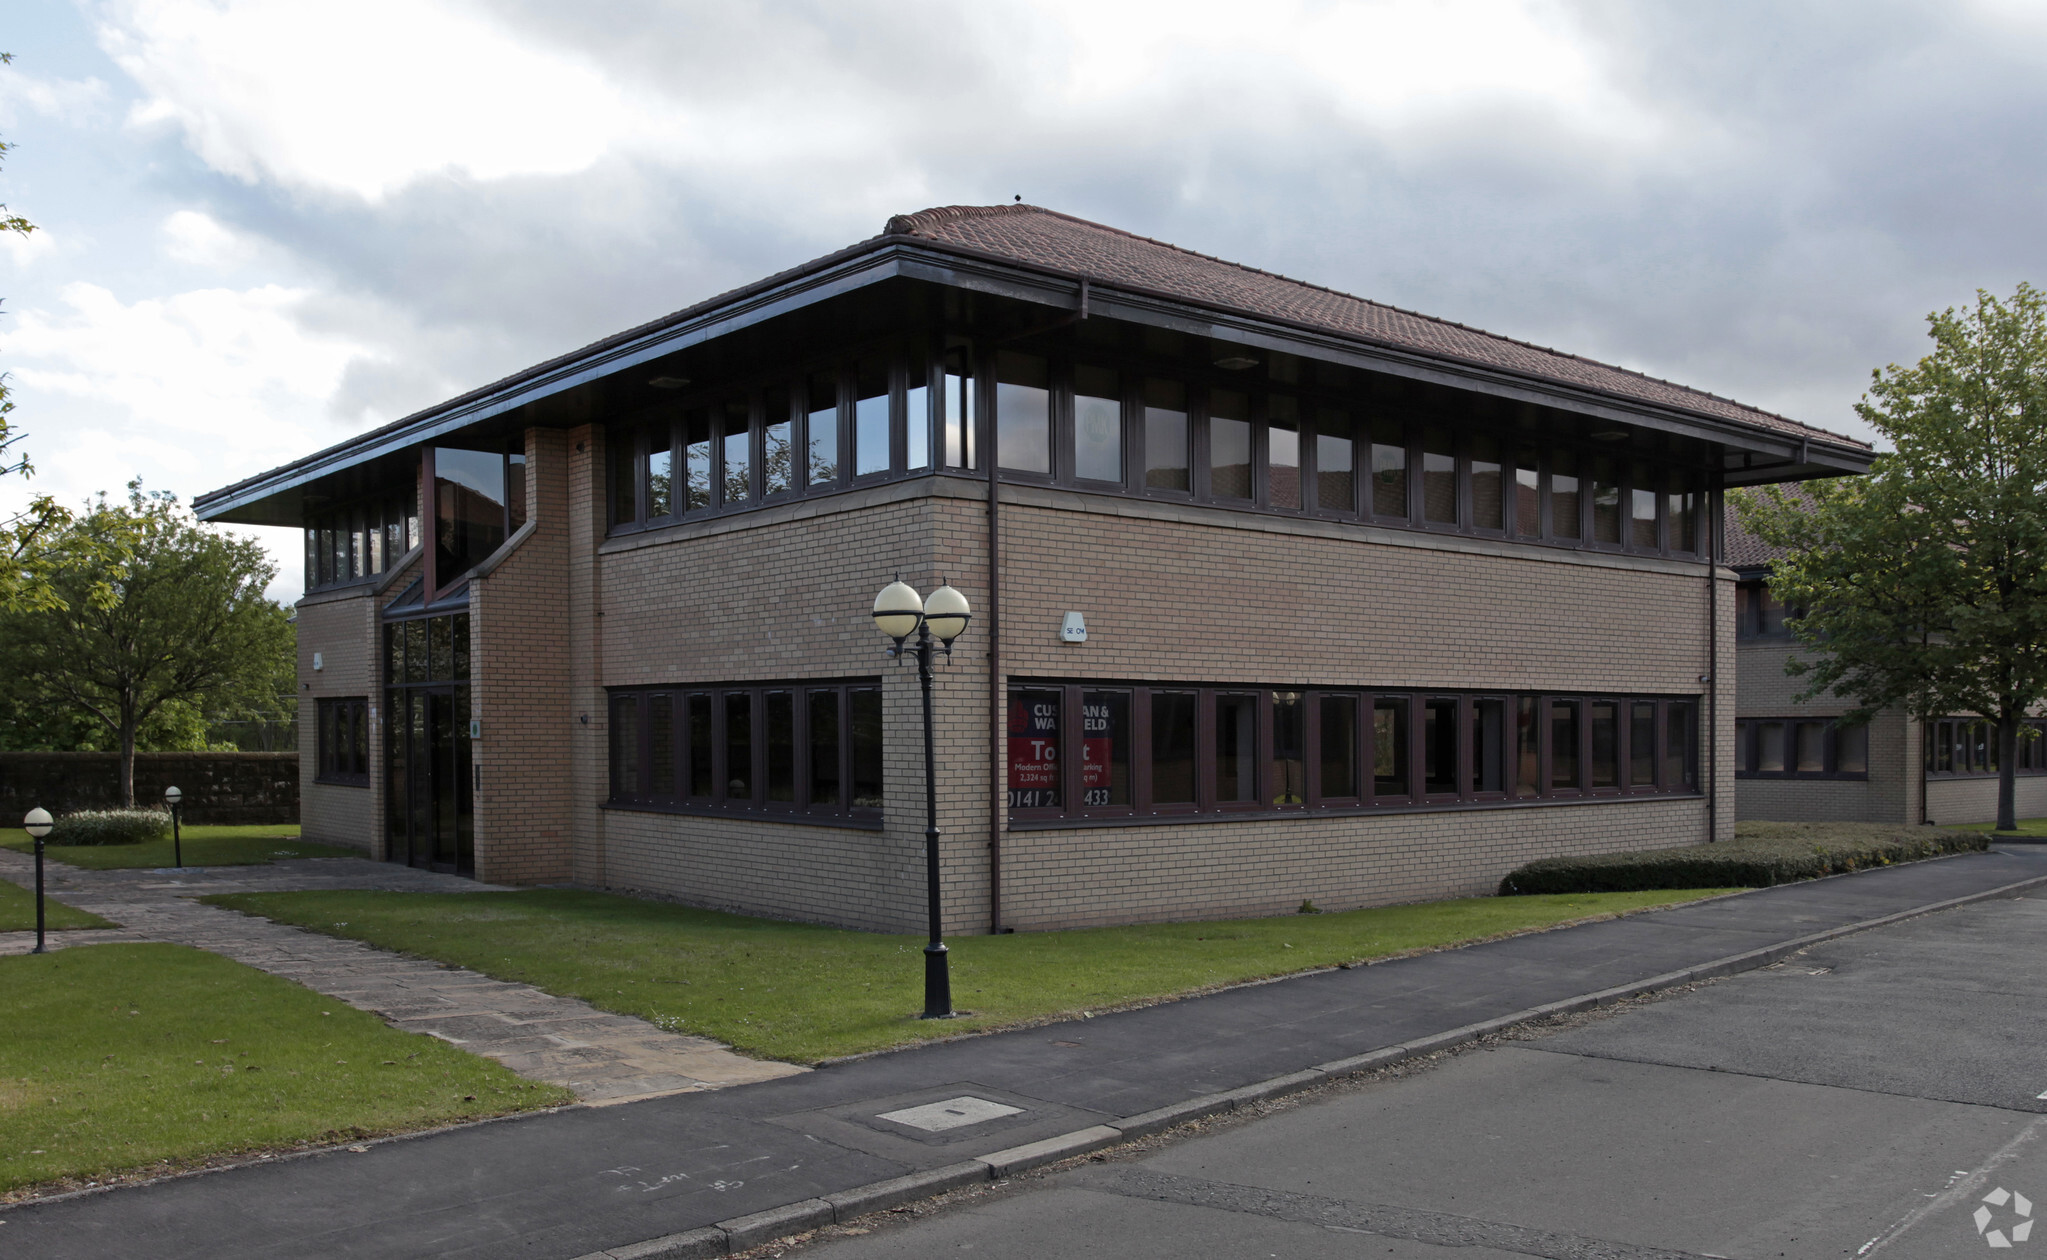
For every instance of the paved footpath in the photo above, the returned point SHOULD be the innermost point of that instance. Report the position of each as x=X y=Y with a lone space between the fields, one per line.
x=604 y=1058
x=712 y=1171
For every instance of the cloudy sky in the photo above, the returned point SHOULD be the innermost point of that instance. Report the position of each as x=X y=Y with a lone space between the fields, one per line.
x=269 y=224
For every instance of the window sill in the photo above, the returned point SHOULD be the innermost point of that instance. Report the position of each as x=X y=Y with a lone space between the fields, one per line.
x=795 y=817
x=354 y=781
x=1297 y=814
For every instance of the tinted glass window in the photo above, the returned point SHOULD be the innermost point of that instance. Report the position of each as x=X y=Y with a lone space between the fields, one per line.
x=1563 y=744
x=1105 y=748
x=738 y=452
x=1172 y=747
x=780 y=738
x=1488 y=493
x=1288 y=768
x=1283 y=452
x=917 y=414
x=1642 y=496
x=1439 y=747
x=824 y=748
x=1606 y=744
x=738 y=747
x=1034 y=737
x=696 y=458
x=1229 y=444
x=1606 y=501
x=1023 y=412
x=821 y=426
x=778 y=444
x=1097 y=424
x=1236 y=748
x=469 y=506
x=1165 y=435
x=1439 y=476
x=1335 y=462
x=870 y=417
x=1566 y=501
x=1389 y=470
x=1389 y=747
x=1642 y=746
x=867 y=747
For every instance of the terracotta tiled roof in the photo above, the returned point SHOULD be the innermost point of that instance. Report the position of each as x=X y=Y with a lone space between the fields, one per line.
x=1046 y=238
x=1745 y=550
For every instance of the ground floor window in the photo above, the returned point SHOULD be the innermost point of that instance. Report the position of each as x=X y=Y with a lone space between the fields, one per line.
x=1966 y=745
x=811 y=749
x=1087 y=750
x=1800 y=748
x=343 y=741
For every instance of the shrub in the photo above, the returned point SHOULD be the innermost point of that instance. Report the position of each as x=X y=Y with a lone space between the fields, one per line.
x=111 y=826
x=1760 y=855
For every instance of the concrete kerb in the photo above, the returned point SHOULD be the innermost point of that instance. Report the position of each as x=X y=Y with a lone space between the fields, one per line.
x=745 y=1232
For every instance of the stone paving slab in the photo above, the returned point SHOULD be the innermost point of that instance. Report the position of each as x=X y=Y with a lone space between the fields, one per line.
x=604 y=1058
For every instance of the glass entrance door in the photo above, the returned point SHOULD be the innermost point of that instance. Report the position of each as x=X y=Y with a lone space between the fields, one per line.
x=429 y=817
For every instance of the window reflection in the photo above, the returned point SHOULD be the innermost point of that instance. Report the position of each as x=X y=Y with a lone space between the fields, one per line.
x=1229 y=444
x=1283 y=452
x=870 y=417
x=1165 y=435
x=821 y=426
x=1335 y=462
x=738 y=452
x=1097 y=424
x=1023 y=412
x=1389 y=470
x=778 y=444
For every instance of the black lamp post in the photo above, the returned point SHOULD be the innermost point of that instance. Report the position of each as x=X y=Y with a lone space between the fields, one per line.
x=37 y=824
x=172 y=796
x=899 y=613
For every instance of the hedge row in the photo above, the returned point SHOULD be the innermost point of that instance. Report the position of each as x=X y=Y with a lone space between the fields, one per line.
x=1759 y=856
x=111 y=826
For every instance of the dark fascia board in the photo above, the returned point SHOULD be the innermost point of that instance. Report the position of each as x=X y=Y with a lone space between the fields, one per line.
x=847 y=275
x=952 y=266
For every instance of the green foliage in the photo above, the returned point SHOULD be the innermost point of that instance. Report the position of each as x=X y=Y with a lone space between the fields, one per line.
x=1760 y=856
x=110 y=826
x=803 y=992
x=1926 y=581
x=158 y=1057
x=185 y=624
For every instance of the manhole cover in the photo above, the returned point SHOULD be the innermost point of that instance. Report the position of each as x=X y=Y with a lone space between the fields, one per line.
x=953 y=1113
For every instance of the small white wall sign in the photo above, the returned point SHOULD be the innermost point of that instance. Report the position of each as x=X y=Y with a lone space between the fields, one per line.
x=1073 y=629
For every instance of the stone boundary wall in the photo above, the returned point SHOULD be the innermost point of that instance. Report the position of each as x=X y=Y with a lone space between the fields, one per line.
x=219 y=787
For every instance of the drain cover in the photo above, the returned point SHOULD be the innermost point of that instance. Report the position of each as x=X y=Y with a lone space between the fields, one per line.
x=953 y=1113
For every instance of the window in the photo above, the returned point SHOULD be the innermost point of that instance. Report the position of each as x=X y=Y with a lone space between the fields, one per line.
x=1295 y=443
x=362 y=540
x=1144 y=752
x=1229 y=444
x=1760 y=615
x=1389 y=470
x=1336 y=487
x=1283 y=452
x=1566 y=501
x=1023 y=413
x=1488 y=492
x=1097 y=424
x=821 y=428
x=779 y=749
x=778 y=444
x=1165 y=436
x=871 y=416
x=1800 y=748
x=343 y=741
x=471 y=514
x=1968 y=746
x=1439 y=476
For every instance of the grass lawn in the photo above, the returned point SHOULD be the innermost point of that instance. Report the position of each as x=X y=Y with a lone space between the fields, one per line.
x=18 y=911
x=801 y=992
x=204 y=846
x=155 y=1057
x=2027 y=827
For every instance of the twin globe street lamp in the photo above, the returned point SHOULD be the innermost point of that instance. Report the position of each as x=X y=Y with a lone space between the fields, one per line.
x=899 y=613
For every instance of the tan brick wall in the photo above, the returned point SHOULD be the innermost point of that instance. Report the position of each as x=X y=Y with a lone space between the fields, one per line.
x=519 y=686
x=342 y=629
x=1890 y=795
x=1179 y=594
x=1972 y=800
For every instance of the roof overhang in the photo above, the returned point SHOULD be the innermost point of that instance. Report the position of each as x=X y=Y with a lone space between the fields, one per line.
x=1750 y=455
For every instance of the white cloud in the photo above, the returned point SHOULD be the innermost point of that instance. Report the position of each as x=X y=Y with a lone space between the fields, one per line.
x=193 y=391
x=193 y=236
x=362 y=97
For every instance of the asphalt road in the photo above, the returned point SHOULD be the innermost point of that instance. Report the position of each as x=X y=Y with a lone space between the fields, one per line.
x=1878 y=1096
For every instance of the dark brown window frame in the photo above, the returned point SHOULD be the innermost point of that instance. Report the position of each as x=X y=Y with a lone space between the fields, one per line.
x=802 y=809
x=1748 y=750
x=342 y=741
x=1311 y=403
x=2032 y=753
x=361 y=540
x=1141 y=810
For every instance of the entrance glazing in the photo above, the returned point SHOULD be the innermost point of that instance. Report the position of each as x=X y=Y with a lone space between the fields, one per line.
x=429 y=814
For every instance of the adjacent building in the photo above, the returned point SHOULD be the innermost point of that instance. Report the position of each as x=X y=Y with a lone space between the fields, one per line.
x=1280 y=595
x=1797 y=761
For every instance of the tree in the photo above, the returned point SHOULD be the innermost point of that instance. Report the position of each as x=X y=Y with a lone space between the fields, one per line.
x=186 y=623
x=1925 y=582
